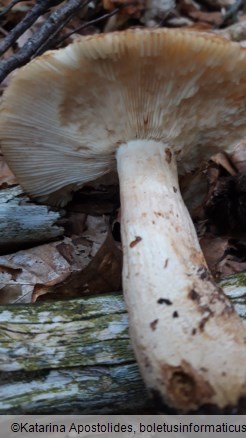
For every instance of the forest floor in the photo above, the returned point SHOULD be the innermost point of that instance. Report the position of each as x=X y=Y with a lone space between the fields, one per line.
x=87 y=237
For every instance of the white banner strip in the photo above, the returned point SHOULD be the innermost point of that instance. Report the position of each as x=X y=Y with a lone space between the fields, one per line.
x=127 y=426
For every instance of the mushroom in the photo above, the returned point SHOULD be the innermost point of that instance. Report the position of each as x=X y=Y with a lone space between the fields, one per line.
x=154 y=103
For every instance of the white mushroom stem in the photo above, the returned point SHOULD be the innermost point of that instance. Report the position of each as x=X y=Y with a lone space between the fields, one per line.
x=188 y=340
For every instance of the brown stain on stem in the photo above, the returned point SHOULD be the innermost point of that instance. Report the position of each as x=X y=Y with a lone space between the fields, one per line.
x=153 y=324
x=168 y=156
x=186 y=388
x=135 y=242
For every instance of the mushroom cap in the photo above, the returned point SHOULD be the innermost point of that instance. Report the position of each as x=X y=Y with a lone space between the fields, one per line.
x=65 y=114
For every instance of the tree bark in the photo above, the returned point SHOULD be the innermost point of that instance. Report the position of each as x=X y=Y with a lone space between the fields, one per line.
x=75 y=356
x=25 y=225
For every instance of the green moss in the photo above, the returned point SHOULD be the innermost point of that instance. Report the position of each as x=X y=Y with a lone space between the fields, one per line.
x=237 y=280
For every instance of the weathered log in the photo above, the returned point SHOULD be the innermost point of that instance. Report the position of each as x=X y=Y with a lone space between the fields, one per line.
x=25 y=225
x=68 y=357
x=75 y=356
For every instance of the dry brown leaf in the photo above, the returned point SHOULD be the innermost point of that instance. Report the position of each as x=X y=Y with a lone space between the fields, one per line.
x=6 y=3
x=214 y=18
x=79 y=252
x=38 y=270
x=223 y=160
x=131 y=8
x=89 y=263
x=223 y=255
x=214 y=250
x=188 y=6
x=22 y=272
x=230 y=266
x=102 y=274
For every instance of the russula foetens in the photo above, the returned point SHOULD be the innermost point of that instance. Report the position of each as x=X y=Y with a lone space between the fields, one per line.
x=144 y=100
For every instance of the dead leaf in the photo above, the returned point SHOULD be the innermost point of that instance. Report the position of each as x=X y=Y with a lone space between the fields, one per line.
x=186 y=7
x=230 y=266
x=214 y=18
x=6 y=3
x=223 y=160
x=213 y=249
x=29 y=273
x=102 y=274
x=21 y=272
x=80 y=252
x=131 y=8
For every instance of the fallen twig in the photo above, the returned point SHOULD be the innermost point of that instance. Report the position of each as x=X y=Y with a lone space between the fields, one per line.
x=38 y=9
x=32 y=46
x=8 y=8
x=89 y=23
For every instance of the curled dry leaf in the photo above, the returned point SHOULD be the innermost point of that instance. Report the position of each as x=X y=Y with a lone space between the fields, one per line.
x=223 y=255
x=29 y=271
x=222 y=159
x=89 y=263
x=102 y=274
x=230 y=265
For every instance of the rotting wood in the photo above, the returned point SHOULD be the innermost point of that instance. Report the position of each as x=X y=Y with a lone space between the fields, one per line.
x=75 y=356
x=23 y=224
